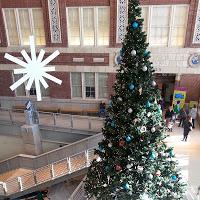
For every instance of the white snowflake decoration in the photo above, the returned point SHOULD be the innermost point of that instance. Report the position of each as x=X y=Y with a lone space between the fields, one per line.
x=34 y=69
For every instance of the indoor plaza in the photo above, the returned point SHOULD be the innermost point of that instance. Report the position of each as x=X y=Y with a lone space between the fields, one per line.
x=93 y=96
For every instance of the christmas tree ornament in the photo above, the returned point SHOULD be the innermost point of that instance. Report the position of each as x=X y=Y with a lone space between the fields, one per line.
x=128 y=166
x=105 y=185
x=153 y=129
x=118 y=168
x=148 y=104
x=158 y=173
x=133 y=52
x=143 y=129
x=113 y=124
x=174 y=178
x=144 y=69
x=110 y=145
x=128 y=138
x=126 y=186
x=140 y=91
x=131 y=86
x=153 y=83
x=107 y=168
x=130 y=110
x=171 y=153
x=135 y=25
x=148 y=114
x=119 y=99
x=146 y=53
x=98 y=159
x=122 y=71
x=121 y=143
x=140 y=168
x=145 y=197
x=150 y=176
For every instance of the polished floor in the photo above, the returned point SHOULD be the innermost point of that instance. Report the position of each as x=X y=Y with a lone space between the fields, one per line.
x=188 y=155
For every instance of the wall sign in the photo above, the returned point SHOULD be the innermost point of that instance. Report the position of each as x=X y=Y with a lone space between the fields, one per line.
x=194 y=60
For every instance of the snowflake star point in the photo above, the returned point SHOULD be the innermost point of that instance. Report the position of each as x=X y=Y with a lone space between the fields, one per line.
x=34 y=69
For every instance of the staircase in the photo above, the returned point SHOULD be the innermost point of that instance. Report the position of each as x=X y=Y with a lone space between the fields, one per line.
x=75 y=159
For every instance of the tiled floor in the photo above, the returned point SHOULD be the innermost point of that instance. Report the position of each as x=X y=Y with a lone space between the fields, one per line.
x=188 y=154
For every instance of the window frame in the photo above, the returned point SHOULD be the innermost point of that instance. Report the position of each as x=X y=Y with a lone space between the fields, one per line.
x=83 y=96
x=171 y=23
x=27 y=92
x=81 y=28
x=16 y=13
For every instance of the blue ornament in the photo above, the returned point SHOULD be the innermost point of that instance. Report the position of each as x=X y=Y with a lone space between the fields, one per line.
x=122 y=51
x=107 y=168
x=152 y=156
x=146 y=53
x=126 y=186
x=173 y=177
x=135 y=25
x=110 y=103
x=131 y=86
x=113 y=124
x=148 y=104
x=128 y=138
x=171 y=153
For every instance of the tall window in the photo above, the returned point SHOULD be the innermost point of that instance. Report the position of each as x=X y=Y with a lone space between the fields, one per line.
x=89 y=85
x=103 y=86
x=23 y=22
x=76 y=81
x=88 y=26
x=21 y=90
x=165 y=25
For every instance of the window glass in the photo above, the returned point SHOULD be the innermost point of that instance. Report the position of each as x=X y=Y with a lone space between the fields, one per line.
x=76 y=84
x=103 y=87
x=90 y=85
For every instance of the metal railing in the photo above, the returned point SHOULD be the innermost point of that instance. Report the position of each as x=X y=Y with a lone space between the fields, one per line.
x=55 y=119
x=35 y=162
x=47 y=173
x=79 y=193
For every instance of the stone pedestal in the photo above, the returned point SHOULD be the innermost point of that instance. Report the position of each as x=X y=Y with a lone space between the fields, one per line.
x=32 y=139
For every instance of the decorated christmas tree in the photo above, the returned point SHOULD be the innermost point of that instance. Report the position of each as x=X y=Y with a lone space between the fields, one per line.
x=133 y=161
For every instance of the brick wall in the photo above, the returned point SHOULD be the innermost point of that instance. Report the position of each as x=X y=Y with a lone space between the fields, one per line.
x=62 y=91
x=5 y=82
x=192 y=83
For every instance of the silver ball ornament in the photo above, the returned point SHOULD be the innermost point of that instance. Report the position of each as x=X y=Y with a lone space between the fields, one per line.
x=144 y=69
x=148 y=114
x=130 y=110
x=153 y=83
x=119 y=99
x=133 y=52
x=110 y=145
x=153 y=129
x=105 y=185
x=128 y=166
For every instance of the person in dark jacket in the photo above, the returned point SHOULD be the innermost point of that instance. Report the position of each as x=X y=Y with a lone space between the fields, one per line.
x=183 y=116
x=187 y=127
x=168 y=116
x=102 y=109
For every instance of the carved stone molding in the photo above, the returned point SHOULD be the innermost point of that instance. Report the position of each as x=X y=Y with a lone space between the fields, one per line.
x=54 y=21
x=196 y=37
x=122 y=6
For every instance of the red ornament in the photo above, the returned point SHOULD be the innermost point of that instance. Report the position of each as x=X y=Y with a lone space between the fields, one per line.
x=158 y=173
x=121 y=143
x=118 y=168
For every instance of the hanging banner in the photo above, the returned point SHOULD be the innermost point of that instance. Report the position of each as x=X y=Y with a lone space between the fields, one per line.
x=179 y=95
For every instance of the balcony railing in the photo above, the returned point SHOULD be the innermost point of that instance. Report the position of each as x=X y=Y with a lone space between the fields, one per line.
x=79 y=122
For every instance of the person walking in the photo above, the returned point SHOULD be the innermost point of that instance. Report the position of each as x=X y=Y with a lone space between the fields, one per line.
x=187 y=127
x=193 y=113
x=183 y=116
x=177 y=109
x=168 y=116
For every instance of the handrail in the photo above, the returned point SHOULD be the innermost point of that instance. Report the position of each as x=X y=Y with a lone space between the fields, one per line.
x=34 y=162
x=53 y=118
x=47 y=173
x=79 y=193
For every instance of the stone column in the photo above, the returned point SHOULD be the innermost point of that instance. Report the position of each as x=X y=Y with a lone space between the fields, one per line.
x=177 y=80
x=32 y=139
